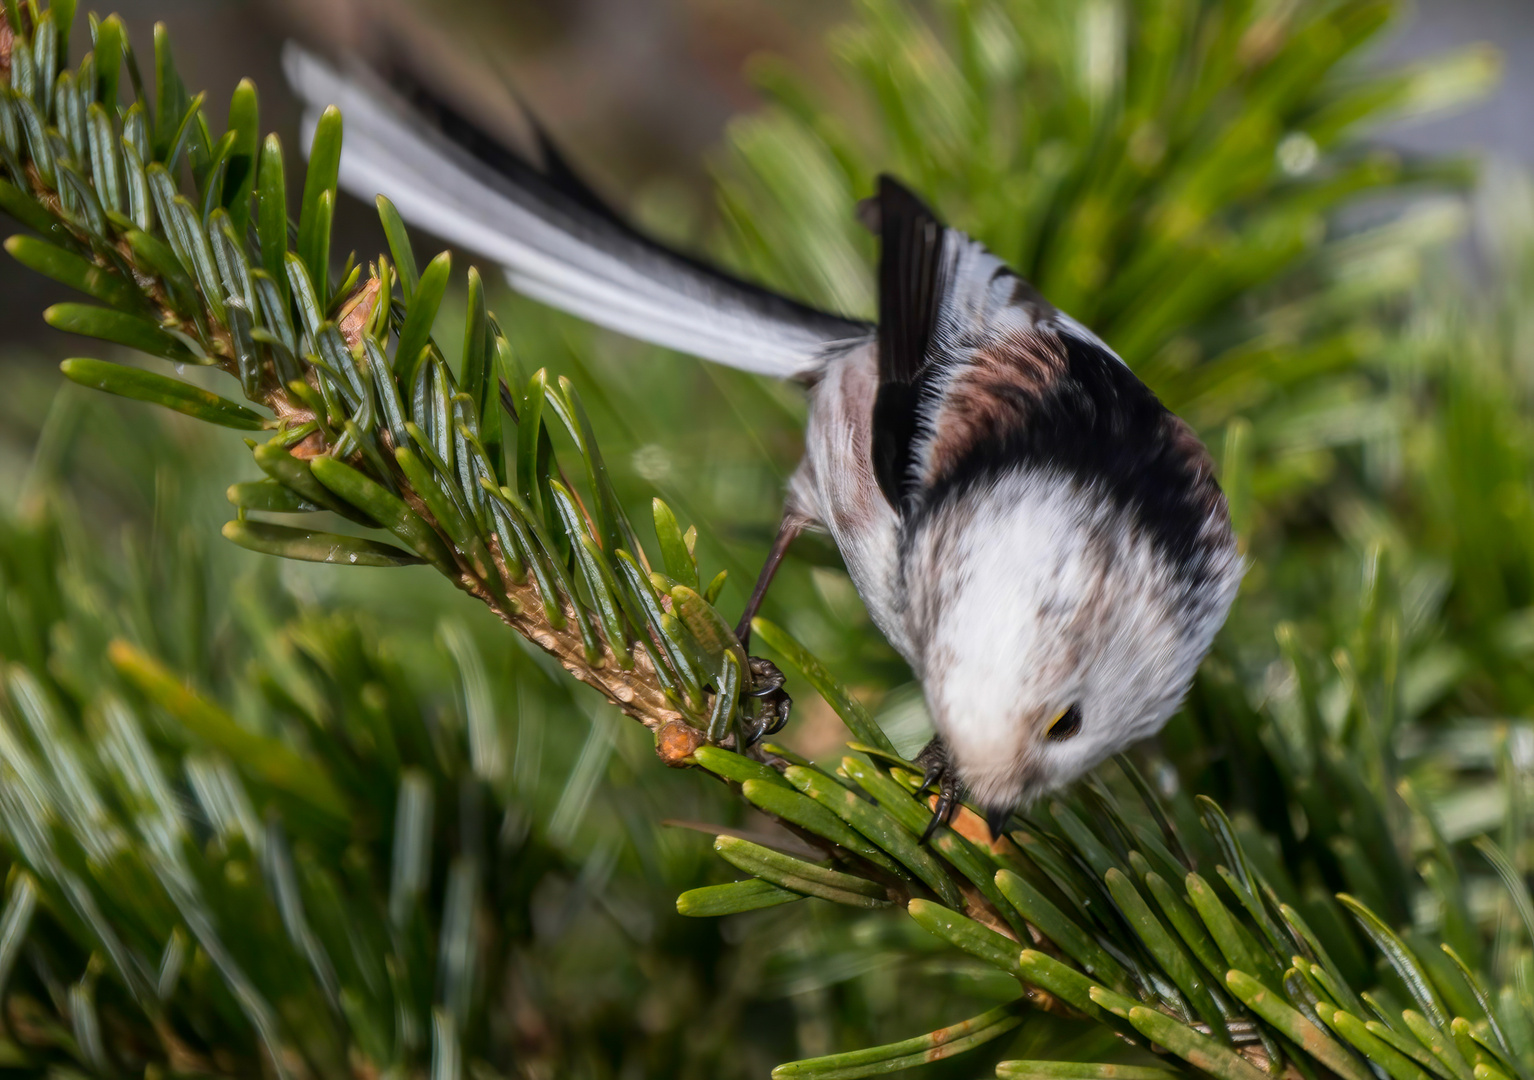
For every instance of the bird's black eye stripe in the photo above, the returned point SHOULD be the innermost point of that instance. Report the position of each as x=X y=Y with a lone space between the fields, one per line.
x=1068 y=725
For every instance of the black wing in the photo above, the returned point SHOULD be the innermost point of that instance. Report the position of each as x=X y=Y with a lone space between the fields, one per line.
x=914 y=276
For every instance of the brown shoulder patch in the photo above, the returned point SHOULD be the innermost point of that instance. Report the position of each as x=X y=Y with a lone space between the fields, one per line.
x=994 y=390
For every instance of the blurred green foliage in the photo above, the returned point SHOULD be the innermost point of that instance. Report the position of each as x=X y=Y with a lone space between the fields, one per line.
x=1194 y=181
x=498 y=850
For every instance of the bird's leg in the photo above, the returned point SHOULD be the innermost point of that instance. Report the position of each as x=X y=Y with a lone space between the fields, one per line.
x=788 y=529
x=938 y=771
x=771 y=705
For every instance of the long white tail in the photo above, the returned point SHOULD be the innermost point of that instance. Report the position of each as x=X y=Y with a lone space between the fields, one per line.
x=557 y=242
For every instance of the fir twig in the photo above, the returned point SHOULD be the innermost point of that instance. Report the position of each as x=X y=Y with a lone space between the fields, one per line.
x=1094 y=912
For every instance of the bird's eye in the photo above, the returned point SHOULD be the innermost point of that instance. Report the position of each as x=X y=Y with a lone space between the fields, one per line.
x=1065 y=725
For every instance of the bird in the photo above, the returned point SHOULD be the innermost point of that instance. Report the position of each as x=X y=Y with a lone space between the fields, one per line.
x=1037 y=535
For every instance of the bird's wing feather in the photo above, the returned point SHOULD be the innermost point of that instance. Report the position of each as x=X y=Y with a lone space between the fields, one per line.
x=915 y=273
x=951 y=315
x=558 y=242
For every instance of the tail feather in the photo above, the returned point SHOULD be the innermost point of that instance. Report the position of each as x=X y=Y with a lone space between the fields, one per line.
x=557 y=241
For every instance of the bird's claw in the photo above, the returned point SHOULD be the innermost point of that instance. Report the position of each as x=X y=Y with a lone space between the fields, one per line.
x=940 y=772
x=942 y=813
x=997 y=819
x=765 y=677
x=766 y=706
x=933 y=775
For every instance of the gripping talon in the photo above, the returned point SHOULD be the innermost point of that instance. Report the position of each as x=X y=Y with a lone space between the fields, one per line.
x=766 y=679
x=947 y=805
x=997 y=820
x=933 y=775
x=939 y=772
x=771 y=706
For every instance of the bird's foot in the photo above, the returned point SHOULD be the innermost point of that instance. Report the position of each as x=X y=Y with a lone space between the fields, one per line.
x=939 y=775
x=765 y=706
x=997 y=819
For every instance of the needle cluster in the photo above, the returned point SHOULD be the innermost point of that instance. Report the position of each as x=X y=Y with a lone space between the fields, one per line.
x=1126 y=903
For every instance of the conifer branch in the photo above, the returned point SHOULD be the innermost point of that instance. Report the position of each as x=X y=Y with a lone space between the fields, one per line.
x=218 y=286
x=1144 y=911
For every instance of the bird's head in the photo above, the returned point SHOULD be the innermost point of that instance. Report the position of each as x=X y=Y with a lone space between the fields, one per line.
x=1057 y=633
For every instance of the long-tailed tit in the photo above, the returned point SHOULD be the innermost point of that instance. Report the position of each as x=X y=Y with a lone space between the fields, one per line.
x=1030 y=528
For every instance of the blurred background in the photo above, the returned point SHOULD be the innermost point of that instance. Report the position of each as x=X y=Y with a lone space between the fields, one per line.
x=640 y=92
x=1309 y=226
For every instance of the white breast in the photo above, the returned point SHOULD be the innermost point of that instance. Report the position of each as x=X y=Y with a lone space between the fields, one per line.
x=1034 y=594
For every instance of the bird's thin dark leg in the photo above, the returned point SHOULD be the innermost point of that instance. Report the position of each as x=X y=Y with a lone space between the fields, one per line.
x=939 y=771
x=790 y=527
x=767 y=714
